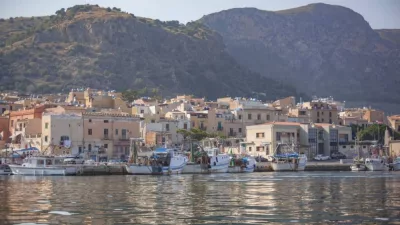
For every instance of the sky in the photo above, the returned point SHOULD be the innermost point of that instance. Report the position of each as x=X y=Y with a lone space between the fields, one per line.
x=379 y=13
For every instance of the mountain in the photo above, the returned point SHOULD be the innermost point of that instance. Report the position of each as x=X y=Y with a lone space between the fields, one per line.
x=87 y=45
x=322 y=49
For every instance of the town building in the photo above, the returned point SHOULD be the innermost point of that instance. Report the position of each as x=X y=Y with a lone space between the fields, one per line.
x=107 y=135
x=394 y=122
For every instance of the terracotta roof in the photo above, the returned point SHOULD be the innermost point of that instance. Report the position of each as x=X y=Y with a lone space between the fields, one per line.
x=394 y=117
x=280 y=123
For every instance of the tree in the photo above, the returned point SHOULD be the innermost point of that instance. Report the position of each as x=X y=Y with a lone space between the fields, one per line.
x=60 y=12
x=108 y=9
x=130 y=95
x=376 y=132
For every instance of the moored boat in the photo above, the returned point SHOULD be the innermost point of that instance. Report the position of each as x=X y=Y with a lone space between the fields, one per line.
x=5 y=169
x=43 y=166
x=219 y=163
x=396 y=164
x=162 y=161
x=358 y=166
x=246 y=164
x=376 y=164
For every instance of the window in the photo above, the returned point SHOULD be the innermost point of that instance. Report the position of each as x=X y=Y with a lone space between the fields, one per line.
x=240 y=130
x=105 y=145
x=302 y=113
x=64 y=138
x=89 y=147
x=260 y=135
x=240 y=117
x=167 y=126
x=268 y=117
x=12 y=123
x=352 y=146
x=318 y=114
x=46 y=126
x=344 y=146
x=278 y=136
x=185 y=126
x=105 y=132
x=123 y=133
x=80 y=149
x=89 y=131
x=364 y=146
x=317 y=120
x=322 y=113
x=46 y=138
x=142 y=111
x=153 y=121
x=330 y=120
x=322 y=119
x=249 y=149
x=116 y=131
x=90 y=120
x=105 y=121
x=249 y=116
x=258 y=116
x=260 y=149
x=330 y=114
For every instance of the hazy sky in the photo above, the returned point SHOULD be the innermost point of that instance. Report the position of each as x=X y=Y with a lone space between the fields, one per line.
x=379 y=13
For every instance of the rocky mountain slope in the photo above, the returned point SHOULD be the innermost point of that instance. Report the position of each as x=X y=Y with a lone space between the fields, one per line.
x=106 y=48
x=322 y=49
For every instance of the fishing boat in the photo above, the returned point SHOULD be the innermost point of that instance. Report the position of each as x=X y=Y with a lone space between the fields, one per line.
x=358 y=163
x=396 y=164
x=376 y=164
x=358 y=166
x=162 y=161
x=43 y=166
x=246 y=164
x=288 y=161
x=5 y=169
x=218 y=162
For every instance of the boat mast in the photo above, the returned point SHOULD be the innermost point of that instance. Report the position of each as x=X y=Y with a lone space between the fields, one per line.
x=133 y=147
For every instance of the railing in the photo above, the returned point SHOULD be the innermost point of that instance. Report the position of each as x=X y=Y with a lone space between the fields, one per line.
x=123 y=138
x=106 y=137
x=232 y=134
x=220 y=128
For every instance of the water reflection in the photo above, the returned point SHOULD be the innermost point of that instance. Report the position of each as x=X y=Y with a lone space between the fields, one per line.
x=223 y=198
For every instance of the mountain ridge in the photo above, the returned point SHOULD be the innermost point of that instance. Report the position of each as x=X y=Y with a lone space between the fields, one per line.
x=87 y=45
x=321 y=49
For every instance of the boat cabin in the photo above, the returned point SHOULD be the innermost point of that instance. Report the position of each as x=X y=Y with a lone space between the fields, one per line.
x=212 y=151
x=43 y=161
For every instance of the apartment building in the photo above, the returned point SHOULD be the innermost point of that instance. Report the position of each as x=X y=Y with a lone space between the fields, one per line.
x=107 y=135
x=312 y=139
x=62 y=133
x=394 y=122
x=316 y=112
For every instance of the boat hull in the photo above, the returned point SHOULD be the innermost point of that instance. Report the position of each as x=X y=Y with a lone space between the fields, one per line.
x=358 y=167
x=5 y=172
x=196 y=169
x=43 y=171
x=144 y=170
x=396 y=166
x=285 y=166
x=376 y=167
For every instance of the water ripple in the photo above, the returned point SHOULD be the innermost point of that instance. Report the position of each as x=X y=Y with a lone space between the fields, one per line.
x=257 y=198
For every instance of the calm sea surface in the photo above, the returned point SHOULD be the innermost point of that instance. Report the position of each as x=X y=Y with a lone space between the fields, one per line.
x=257 y=198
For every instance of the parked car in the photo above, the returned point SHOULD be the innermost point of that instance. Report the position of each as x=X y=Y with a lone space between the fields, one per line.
x=322 y=157
x=338 y=155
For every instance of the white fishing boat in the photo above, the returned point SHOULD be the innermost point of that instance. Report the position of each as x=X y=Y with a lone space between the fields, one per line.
x=396 y=164
x=246 y=164
x=358 y=166
x=5 y=169
x=43 y=166
x=376 y=164
x=219 y=163
x=163 y=161
x=288 y=161
x=358 y=163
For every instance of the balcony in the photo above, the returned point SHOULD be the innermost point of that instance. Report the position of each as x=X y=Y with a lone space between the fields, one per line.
x=124 y=138
x=203 y=128
x=220 y=128
x=232 y=134
x=106 y=137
